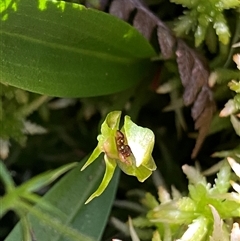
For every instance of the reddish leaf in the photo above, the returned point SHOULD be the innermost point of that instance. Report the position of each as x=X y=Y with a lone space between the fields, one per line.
x=166 y=41
x=201 y=101
x=121 y=9
x=200 y=73
x=202 y=124
x=185 y=62
x=143 y=23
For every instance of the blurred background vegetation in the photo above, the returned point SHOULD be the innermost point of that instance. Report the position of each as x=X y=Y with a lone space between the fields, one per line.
x=40 y=133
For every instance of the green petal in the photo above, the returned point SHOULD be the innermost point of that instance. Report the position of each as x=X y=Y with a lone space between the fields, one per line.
x=110 y=167
x=150 y=164
x=93 y=156
x=141 y=142
x=142 y=173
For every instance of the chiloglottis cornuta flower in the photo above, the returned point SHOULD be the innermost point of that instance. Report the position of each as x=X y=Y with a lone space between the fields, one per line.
x=130 y=148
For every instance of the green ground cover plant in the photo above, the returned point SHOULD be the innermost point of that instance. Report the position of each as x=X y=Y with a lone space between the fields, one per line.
x=120 y=120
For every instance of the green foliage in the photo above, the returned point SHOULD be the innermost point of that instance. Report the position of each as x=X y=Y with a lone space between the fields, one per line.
x=20 y=199
x=204 y=17
x=232 y=107
x=67 y=217
x=76 y=61
x=67 y=50
x=203 y=215
x=15 y=106
x=12 y=123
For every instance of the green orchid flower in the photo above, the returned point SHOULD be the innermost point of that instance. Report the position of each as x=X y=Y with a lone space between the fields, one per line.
x=130 y=148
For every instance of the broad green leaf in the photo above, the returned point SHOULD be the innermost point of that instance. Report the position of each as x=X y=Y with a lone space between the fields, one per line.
x=64 y=49
x=69 y=195
x=50 y=220
x=14 y=196
x=44 y=179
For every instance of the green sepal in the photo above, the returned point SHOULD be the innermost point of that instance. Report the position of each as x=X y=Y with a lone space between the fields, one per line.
x=106 y=140
x=96 y=152
x=150 y=164
x=112 y=121
x=110 y=167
